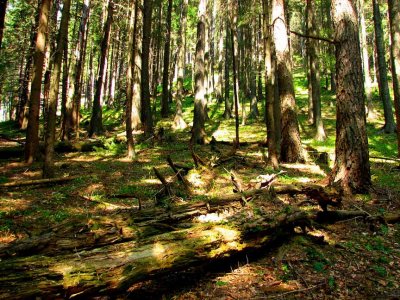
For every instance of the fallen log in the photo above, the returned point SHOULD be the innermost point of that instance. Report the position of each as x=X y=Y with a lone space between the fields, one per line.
x=37 y=182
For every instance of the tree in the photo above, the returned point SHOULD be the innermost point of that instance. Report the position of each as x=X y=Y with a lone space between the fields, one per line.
x=129 y=77
x=235 y=47
x=3 y=7
x=394 y=19
x=32 y=133
x=382 y=70
x=351 y=166
x=269 y=87
x=179 y=122
x=96 y=122
x=313 y=59
x=146 y=116
x=200 y=102
x=167 y=46
x=48 y=166
x=291 y=150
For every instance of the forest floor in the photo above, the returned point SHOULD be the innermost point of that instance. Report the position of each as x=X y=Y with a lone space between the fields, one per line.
x=351 y=259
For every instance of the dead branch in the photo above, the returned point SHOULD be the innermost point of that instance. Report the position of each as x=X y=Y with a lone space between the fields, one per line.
x=37 y=182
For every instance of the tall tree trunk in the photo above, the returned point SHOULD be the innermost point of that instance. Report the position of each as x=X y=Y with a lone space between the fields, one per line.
x=48 y=167
x=313 y=55
x=96 y=122
x=179 y=122
x=394 y=19
x=228 y=105
x=200 y=101
x=291 y=150
x=351 y=166
x=129 y=77
x=234 y=42
x=80 y=54
x=167 y=46
x=3 y=7
x=146 y=116
x=383 y=81
x=269 y=87
x=365 y=57
x=32 y=134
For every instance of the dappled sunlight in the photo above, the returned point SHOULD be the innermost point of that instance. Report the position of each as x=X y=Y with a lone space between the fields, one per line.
x=307 y=168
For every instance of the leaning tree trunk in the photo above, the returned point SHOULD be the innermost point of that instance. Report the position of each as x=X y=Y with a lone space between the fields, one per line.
x=382 y=79
x=3 y=7
x=96 y=122
x=32 y=133
x=48 y=167
x=313 y=56
x=200 y=101
x=291 y=150
x=167 y=47
x=179 y=122
x=394 y=19
x=351 y=166
x=146 y=116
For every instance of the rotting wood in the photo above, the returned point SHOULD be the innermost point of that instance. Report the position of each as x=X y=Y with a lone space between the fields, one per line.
x=178 y=173
x=167 y=186
x=37 y=182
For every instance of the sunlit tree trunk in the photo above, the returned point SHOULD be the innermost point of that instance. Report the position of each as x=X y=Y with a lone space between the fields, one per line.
x=269 y=87
x=365 y=57
x=167 y=47
x=291 y=150
x=313 y=55
x=382 y=80
x=200 y=102
x=32 y=134
x=96 y=122
x=228 y=104
x=235 y=65
x=179 y=122
x=147 y=117
x=129 y=77
x=351 y=166
x=48 y=167
x=394 y=19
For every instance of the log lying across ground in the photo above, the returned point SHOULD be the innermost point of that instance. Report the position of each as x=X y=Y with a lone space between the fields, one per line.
x=37 y=182
x=145 y=244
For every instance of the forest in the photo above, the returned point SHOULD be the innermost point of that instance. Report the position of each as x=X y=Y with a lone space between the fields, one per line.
x=199 y=149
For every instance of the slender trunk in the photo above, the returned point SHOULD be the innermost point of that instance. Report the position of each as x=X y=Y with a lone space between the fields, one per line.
x=394 y=18
x=32 y=134
x=80 y=54
x=167 y=46
x=129 y=78
x=383 y=81
x=269 y=88
x=179 y=122
x=48 y=167
x=234 y=41
x=313 y=55
x=147 y=117
x=228 y=110
x=96 y=122
x=200 y=102
x=351 y=168
x=3 y=7
x=291 y=150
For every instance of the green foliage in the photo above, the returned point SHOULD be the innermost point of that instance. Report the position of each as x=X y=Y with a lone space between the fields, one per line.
x=380 y=270
x=221 y=283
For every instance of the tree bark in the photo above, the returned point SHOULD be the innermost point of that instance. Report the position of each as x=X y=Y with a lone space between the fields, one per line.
x=382 y=80
x=129 y=77
x=3 y=7
x=96 y=122
x=235 y=48
x=165 y=78
x=351 y=166
x=394 y=19
x=48 y=166
x=313 y=56
x=200 y=101
x=179 y=122
x=146 y=116
x=32 y=134
x=291 y=150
